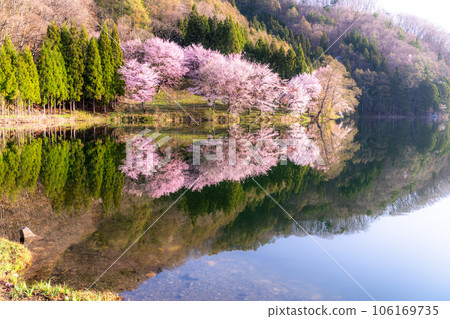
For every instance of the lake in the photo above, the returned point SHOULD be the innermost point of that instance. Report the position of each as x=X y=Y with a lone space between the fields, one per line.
x=350 y=210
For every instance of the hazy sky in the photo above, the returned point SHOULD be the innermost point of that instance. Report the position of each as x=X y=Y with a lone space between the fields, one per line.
x=435 y=11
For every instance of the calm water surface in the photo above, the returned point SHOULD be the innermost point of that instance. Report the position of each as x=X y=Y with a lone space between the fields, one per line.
x=374 y=194
x=397 y=258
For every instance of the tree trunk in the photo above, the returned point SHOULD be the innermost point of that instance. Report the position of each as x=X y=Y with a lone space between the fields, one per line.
x=93 y=109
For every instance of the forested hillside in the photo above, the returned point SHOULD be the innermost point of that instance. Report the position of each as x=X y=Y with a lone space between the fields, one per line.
x=401 y=64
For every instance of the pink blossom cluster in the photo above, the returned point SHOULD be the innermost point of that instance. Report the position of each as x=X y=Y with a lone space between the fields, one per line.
x=232 y=80
x=243 y=155
x=228 y=79
x=302 y=149
x=141 y=80
x=300 y=91
x=151 y=173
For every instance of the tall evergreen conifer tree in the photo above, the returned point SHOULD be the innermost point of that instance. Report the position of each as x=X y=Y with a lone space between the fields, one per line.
x=106 y=56
x=93 y=73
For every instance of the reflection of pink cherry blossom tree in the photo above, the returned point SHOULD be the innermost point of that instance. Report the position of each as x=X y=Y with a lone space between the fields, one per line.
x=149 y=173
x=244 y=155
x=302 y=150
x=239 y=156
x=166 y=180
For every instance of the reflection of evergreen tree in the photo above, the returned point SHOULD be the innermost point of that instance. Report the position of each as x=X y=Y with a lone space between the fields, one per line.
x=357 y=178
x=225 y=197
x=95 y=152
x=30 y=165
x=10 y=167
x=55 y=167
x=113 y=179
x=76 y=196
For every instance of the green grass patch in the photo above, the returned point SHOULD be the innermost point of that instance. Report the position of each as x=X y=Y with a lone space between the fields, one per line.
x=44 y=291
x=15 y=259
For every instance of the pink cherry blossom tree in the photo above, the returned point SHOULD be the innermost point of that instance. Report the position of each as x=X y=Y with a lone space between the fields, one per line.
x=339 y=94
x=234 y=81
x=300 y=91
x=265 y=88
x=141 y=81
x=167 y=58
x=133 y=49
x=196 y=56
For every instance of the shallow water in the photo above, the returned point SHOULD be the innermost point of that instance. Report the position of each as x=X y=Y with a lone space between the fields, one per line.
x=358 y=211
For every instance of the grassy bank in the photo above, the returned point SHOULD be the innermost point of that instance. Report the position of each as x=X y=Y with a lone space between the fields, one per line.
x=168 y=108
x=15 y=259
x=171 y=107
x=74 y=119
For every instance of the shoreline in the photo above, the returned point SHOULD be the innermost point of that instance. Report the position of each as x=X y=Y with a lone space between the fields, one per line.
x=15 y=259
x=169 y=116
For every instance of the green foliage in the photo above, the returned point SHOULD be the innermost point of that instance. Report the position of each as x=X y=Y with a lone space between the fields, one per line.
x=30 y=90
x=47 y=79
x=113 y=179
x=55 y=170
x=19 y=168
x=10 y=50
x=324 y=40
x=286 y=64
x=428 y=97
x=358 y=178
x=76 y=196
x=52 y=74
x=93 y=76
x=416 y=43
x=71 y=49
x=53 y=36
x=273 y=26
x=8 y=80
x=95 y=156
x=368 y=49
x=10 y=167
x=320 y=18
x=30 y=165
x=118 y=81
x=71 y=173
x=225 y=197
x=224 y=36
x=197 y=27
x=61 y=73
x=108 y=64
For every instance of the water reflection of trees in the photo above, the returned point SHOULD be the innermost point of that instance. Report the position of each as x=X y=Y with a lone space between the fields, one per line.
x=392 y=171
